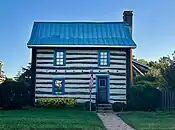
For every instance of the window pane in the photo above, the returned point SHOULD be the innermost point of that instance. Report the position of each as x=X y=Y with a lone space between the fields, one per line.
x=102 y=82
x=105 y=56
x=58 y=60
x=61 y=53
x=61 y=62
x=105 y=53
x=61 y=56
x=58 y=54
x=105 y=60
x=105 y=63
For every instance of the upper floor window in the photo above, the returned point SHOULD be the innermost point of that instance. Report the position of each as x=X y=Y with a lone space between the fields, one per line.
x=59 y=57
x=104 y=58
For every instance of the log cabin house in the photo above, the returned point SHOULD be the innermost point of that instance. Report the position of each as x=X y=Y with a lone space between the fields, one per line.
x=65 y=53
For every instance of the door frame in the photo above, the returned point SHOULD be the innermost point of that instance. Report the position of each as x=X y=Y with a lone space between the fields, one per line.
x=107 y=85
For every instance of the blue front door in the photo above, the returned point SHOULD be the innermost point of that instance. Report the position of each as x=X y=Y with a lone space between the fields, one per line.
x=102 y=89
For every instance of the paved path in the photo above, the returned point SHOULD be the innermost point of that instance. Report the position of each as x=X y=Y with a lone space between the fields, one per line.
x=112 y=122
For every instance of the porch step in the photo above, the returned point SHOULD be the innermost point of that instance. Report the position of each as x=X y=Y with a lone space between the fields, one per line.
x=104 y=105
x=105 y=111
x=104 y=108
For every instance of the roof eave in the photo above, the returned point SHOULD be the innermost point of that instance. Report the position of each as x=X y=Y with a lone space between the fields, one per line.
x=95 y=46
x=145 y=66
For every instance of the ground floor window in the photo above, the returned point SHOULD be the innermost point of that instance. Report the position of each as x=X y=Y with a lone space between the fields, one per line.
x=58 y=86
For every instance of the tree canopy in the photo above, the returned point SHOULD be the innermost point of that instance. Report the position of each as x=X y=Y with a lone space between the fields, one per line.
x=163 y=70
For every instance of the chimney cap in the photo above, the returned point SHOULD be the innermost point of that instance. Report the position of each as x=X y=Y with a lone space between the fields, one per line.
x=128 y=13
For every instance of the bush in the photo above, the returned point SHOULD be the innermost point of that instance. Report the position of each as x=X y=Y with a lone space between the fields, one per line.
x=13 y=95
x=143 y=98
x=169 y=77
x=56 y=102
x=145 y=78
x=87 y=106
x=149 y=81
x=144 y=84
x=118 y=106
x=79 y=106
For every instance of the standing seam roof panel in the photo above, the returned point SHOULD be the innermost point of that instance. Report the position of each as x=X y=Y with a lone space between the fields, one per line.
x=81 y=33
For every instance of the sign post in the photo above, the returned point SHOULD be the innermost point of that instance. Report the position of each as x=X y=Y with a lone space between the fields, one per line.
x=90 y=102
x=90 y=88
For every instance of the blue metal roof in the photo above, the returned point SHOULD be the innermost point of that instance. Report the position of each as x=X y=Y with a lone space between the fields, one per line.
x=106 y=34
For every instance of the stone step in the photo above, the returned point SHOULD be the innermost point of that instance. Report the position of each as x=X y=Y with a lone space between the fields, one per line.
x=104 y=105
x=104 y=108
x=104 y=111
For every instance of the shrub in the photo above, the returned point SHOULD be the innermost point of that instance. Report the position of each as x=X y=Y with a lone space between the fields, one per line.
x=13 y=95
x=79 y=106
x=145 y=78
x=87 y=106
x=143 y=98
x=149 y=81
x=169 y=77
x=134 y=98
x=144 y=84
x=56 y=102
x=118 y=106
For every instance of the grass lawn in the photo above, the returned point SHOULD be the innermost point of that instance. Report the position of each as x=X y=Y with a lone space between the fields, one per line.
x=161 y=120
x=49 y=118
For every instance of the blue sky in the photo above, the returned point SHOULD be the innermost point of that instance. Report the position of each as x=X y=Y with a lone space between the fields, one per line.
x=154 y=24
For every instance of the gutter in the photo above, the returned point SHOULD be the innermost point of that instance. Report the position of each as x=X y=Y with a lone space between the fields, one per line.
x=87 y=46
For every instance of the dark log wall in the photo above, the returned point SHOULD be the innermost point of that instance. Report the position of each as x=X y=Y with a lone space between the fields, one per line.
x=76 y=73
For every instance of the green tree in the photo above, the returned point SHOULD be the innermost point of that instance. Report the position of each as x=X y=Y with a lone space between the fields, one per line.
x=159 y=67
x=169 y=75
x=142 y=61
x=25 y=77
x=134 y=57
x=162 y=71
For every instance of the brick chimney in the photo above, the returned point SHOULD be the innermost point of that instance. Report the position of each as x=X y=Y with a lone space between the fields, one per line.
x=127 y=17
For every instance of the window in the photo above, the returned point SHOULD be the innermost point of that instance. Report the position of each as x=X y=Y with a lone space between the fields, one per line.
x=104 y=58
x=102 y=82
x=59 y=57
x=58 y=87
